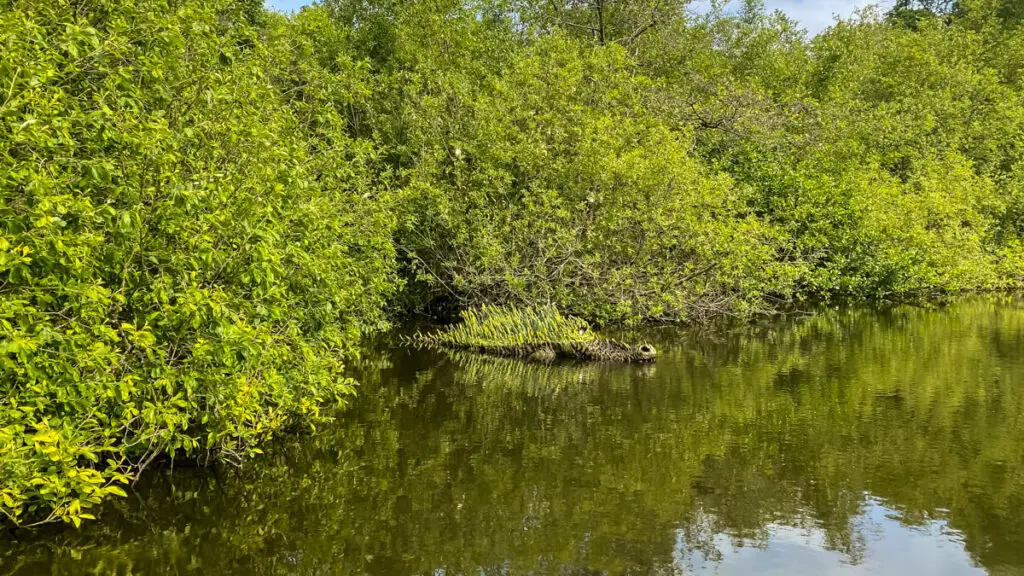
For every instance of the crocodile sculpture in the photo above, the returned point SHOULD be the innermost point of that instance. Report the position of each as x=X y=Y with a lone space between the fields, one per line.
x=538 y=334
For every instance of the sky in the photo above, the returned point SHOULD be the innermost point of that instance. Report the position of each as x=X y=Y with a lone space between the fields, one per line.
x=814 y=15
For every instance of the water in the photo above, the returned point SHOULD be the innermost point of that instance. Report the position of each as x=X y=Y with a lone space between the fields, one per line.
x=850 y=442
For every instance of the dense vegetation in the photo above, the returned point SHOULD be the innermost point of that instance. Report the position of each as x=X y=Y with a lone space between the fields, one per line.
x=203 y=204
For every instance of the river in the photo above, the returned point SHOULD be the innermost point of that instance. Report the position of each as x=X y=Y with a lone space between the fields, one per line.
x=850 y=441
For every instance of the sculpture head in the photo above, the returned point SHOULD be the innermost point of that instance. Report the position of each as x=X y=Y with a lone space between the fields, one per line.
x=544 y=354
x=644 y=353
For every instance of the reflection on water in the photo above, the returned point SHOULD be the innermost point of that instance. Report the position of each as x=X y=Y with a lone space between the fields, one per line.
x=887 y=546
x=853 y=441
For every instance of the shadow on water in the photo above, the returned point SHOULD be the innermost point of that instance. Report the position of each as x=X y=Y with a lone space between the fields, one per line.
x=852 y=441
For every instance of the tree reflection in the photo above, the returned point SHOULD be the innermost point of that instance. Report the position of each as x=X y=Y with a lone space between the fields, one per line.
x=469 y=464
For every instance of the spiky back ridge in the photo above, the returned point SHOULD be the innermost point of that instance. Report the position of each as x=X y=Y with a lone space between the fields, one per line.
x=519 y=332
x=512 y=331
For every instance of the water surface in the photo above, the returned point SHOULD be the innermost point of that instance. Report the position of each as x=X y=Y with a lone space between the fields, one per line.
x=848 y=442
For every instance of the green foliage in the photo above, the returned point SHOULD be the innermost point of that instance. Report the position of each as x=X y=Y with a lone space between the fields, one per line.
x=911 y=13
x=551 y=182
x=885 y=155
x=190 y=244
x=490 y=327
x=707 y=166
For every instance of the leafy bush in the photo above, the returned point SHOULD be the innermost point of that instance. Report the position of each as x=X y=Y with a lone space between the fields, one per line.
x=885 y=155
x=187 y=251
x=552 y=184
